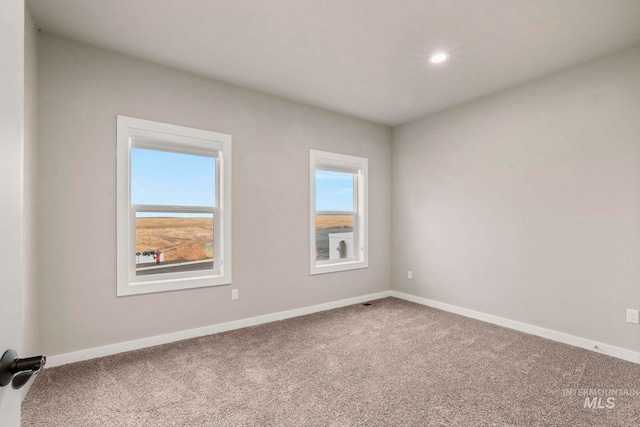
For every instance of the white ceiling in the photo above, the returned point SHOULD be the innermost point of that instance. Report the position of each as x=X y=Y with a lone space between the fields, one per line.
x=366 y=58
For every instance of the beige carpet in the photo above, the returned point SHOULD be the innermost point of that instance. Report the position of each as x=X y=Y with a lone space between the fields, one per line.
x=393 y=363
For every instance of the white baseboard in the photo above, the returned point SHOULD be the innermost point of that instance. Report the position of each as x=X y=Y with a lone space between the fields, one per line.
x=587 y=344
x=92 y=353
x=107 y=350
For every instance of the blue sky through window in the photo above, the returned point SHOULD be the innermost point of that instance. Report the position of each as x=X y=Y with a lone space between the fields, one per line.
x=174 y=179
x=334 y=191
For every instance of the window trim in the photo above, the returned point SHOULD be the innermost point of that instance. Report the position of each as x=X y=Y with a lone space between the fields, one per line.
x=340 y=163
x=167 y=137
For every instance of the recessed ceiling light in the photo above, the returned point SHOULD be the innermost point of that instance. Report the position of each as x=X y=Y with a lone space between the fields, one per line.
x=438 y=57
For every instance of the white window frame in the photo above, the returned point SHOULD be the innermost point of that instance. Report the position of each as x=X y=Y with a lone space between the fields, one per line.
x=324 y=160
x=139 y=133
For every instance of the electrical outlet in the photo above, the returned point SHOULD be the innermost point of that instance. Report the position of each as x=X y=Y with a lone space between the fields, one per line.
x=409 y=274
x=234 y=294
x=632 y=315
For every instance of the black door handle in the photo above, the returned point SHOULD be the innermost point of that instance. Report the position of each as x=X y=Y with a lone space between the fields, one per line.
x=18 y=371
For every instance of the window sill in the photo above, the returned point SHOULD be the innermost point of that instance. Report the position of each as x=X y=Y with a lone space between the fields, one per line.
x=338 y=266
x=154 y=286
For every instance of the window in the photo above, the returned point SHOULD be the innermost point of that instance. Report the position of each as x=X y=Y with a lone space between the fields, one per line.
x=174 y=207
x=338 y=185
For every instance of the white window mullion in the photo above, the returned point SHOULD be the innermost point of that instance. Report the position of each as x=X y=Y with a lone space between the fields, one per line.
x=173 y=209
x=335 y=213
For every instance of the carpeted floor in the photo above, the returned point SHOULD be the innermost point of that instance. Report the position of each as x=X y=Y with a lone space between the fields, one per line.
x=392 y=363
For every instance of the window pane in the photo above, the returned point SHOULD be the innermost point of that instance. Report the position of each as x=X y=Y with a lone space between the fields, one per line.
x=170 y=242
x=334 y=237
x=334 y=191
x=173 y=179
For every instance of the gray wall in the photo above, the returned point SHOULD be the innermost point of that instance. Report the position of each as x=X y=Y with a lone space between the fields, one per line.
x=526 y=204
x=82 y=89
x=31 y=345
